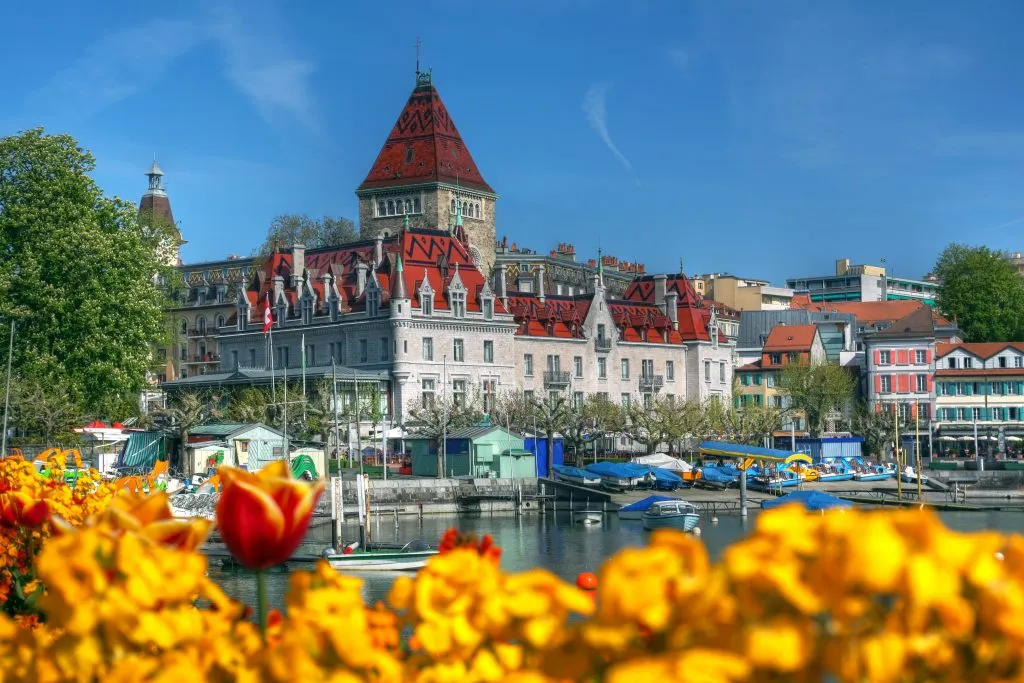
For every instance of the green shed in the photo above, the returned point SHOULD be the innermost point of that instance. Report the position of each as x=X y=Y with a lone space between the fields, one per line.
x=481 y=451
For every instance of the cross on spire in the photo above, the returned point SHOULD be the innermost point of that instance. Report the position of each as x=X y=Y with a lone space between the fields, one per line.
x=419 y=46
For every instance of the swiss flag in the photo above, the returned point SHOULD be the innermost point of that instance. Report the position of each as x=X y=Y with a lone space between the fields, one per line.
x=268 y=319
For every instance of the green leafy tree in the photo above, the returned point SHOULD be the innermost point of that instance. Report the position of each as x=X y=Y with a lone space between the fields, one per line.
x=548 y=416
x=816 y=390
x=662 y=420
x=289 y=229
x=79 y=275
x=588 y=422
x=248 y=405
x=877 y=428
x=45 y=410
x=981 y=289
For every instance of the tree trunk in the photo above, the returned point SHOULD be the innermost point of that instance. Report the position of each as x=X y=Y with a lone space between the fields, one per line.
x=551 y=453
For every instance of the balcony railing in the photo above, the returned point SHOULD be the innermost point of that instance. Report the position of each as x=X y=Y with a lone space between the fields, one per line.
x=651 y=382
x=201 y=332
x=207 y=358
x=556 y=378
x=603 y=344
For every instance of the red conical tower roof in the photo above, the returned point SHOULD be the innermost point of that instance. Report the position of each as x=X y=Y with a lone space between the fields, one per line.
x=424 y=147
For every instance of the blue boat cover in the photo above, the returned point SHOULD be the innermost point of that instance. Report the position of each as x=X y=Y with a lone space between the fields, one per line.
x=623 y=470
x=716 y=475
x=573 y=471
x=645 y=503
x=812 y=500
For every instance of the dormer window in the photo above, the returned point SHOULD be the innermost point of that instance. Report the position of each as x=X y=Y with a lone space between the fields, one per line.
x=335 y=308
x=243 y=318
x=372 y=302
x=427 y=304
x=458 y=301
x=488 y=308
x=307 y=311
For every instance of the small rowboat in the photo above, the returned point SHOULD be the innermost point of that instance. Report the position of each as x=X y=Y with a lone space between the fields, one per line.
x=381 y=557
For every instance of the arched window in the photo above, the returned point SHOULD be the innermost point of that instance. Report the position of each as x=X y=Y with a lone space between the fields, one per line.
x=391 y=207
x=382 y=208
x=201 y=325
x=184 y=327
x=453 y=206
x=220 y=321
x=416 y=205
x=408 y=206
x=465 y=208
x=476 y=211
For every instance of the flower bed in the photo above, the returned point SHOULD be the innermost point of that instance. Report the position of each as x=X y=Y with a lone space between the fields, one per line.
x=121 y=593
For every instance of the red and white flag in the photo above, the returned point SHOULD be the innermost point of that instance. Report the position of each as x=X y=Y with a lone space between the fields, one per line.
x=268 y=318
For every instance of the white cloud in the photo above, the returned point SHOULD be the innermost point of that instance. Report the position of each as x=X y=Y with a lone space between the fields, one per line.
x=117 y=66
x=258 y=63
x=594 y=106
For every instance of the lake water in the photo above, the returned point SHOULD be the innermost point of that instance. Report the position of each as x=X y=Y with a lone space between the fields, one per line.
x=550 y=541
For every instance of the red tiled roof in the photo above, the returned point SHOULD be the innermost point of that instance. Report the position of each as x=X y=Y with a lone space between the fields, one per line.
x=756 y=365
x=424 y=146
x=432 y=254
x=867 y=312
x=693 y=312
x=790 y=338
x=982 y=350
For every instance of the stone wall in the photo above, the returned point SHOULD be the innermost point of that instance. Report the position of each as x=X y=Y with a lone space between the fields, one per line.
x=435 y=496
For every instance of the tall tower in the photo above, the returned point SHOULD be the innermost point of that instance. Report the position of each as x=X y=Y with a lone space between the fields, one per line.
x=426 y=171
x=155 y=211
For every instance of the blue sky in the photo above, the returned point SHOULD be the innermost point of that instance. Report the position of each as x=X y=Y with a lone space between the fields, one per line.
x=761 y=138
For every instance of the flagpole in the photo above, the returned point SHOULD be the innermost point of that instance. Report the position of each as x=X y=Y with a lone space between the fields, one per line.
x=286 y=458
x=334 y=392
x=444 y=413
x=7 y=392
x=359 y=435
x=303 y=376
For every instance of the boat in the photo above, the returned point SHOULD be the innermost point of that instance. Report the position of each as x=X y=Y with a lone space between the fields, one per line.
x=671 y=514
x=636 y=510
x=712 y=476
x=665 y=480
x=664 y=461
x=621 y=475
x=576 y=475
x=910 y=476
x=587 y=517
x=873 y=473
x=812 y=500
x=381 y=557
x=834 y=470
x=771 y=479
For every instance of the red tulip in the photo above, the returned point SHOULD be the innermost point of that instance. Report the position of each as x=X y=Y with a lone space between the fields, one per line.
x=18 y=510
x=262 y=517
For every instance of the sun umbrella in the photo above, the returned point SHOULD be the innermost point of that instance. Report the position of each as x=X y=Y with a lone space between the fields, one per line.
x=812 y=500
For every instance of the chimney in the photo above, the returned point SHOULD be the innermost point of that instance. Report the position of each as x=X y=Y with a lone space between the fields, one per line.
x=278 y=291
x=672 y=308
x=500 y=286
x=378 y=251
x=361 y=269
x=325 y=287
x=659 y=290
x=298 y=264
x=540 y=282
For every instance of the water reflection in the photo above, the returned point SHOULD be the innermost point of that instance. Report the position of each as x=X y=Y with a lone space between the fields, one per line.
x=551 y=541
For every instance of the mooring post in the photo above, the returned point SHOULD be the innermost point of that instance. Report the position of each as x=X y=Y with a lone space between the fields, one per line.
x=743 y=493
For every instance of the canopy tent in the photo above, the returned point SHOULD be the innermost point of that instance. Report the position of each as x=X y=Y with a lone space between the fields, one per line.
x=812 y=500
x=751 y=454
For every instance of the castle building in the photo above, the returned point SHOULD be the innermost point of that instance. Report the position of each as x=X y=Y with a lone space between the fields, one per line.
x=418 y=305
x=425 y=171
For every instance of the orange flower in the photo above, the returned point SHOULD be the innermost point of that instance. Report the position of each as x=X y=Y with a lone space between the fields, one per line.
x=262 y=517
x=19 y=510
x=453 y=538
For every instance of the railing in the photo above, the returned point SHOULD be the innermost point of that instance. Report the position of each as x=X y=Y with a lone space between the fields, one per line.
x=651 y=382
x=203 y=332
x=603 y=344
x=556 y=378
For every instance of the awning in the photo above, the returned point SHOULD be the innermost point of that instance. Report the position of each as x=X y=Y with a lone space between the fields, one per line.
x=739 y=450
x=141 y=450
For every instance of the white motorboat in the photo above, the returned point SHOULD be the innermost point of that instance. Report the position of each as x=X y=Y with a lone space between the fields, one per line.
x=381 y=557
x=671 y=514
x=910 y=476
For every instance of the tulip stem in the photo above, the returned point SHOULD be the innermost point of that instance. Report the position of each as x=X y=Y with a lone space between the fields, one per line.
x=261 y=601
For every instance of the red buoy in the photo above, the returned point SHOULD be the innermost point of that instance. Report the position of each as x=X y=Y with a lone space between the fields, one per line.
x=587 y=581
